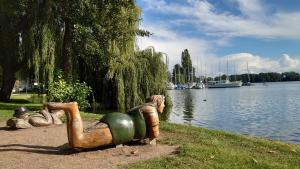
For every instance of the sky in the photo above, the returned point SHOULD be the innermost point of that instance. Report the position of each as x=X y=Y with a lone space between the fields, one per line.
x=265 y=34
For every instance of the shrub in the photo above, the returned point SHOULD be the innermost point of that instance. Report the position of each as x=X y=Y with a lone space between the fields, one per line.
x=61 y=91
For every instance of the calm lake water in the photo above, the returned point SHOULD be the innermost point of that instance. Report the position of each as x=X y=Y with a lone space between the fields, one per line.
x=271 y=111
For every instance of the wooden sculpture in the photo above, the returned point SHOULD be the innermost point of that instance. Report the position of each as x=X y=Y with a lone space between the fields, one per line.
x=22 y=119
x=139 y=123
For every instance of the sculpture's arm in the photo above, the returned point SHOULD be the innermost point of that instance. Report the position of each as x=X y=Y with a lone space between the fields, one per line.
x=151 y=116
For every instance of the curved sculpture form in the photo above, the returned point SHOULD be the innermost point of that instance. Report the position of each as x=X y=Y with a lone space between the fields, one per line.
x=22 y=120
x=114 y=128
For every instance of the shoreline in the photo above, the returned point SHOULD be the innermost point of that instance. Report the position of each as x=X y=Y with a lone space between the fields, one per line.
x=213 y=149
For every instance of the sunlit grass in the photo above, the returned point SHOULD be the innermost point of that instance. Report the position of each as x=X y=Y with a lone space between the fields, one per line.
x=204 y=148
x=26 y=100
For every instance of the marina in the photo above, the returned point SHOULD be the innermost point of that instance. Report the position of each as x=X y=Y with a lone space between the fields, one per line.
x=267 y=111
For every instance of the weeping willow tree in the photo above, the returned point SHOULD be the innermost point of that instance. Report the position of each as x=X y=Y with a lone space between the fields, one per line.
x=27 y=42
x=137 y=77
x=96 y=37
x=46 y=36
x=106 y=58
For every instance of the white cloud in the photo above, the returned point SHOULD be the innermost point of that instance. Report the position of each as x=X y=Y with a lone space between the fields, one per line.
x=253 y=23
x=173 y=44
x=223 y=26
x=211 y=64
x=252 y=9
x=259 y=64
x=289 y=63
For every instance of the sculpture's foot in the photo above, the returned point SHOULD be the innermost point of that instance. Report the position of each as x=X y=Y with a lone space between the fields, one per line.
x=152 y=142
x=143 y=141
x=119 y=145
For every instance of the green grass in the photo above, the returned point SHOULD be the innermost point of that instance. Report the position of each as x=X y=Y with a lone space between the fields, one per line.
x=212 y=149
x=7 y=108
x=17 y=100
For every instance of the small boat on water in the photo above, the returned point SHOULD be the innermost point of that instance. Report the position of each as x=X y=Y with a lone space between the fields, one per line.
x=170 y=86
x=200 y=85
x=189 y=85
x=224 y=84
x=179 y=86
x=248 y=84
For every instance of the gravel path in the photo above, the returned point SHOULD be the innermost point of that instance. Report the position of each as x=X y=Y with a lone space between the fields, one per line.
x=47 y=147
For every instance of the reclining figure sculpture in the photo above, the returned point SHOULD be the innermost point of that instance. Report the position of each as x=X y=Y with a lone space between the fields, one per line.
x=22 y=120
x=139 y=123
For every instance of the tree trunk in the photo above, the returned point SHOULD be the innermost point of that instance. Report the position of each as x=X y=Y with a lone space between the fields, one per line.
x=8 y=80
x=67 y=49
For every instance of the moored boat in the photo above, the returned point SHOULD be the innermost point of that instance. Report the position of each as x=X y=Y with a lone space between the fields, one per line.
x=224 y=84
x=170 y=86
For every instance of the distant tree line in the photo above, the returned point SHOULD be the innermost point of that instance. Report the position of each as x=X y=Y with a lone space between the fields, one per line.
x=261 y=77
x=268 y=77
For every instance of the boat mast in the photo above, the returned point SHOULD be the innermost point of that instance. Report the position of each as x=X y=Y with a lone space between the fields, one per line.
x=175 y=76
x=219 y=72
x=197 y=80
x=192 y=76
x=227 y=70
x=248 y=73
x=234 y=72
x=178 y=74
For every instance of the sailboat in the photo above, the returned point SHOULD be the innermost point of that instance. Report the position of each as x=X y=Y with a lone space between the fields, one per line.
x=170 y=86
x=199 y=84
x=224 y=83
x=248 y=83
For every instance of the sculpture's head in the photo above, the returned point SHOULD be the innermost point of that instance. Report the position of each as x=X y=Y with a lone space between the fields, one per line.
x=21 y=113
x=159 y=102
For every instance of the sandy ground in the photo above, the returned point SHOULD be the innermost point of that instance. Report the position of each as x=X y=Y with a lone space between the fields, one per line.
x=46 y=147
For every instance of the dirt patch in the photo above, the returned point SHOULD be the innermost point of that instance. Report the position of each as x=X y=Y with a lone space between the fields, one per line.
x=46 y=147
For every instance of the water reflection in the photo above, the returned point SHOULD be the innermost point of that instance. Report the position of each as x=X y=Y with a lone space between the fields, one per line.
x=188 y=106
x=167 y=110
x=271 y=111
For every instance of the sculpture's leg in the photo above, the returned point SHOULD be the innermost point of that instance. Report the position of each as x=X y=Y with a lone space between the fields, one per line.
x=152 y=141
x=56 y=115
x=77 y=138
x=42 y=119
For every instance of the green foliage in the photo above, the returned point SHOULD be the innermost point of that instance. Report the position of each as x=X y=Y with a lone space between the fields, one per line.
x=185 y=72
x=61 y=91
x=187 y=65
x=94 y=39
x=137 y=77
x=105 y=49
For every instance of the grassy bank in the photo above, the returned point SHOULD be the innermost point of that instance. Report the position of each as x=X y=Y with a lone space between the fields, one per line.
x=204 y=148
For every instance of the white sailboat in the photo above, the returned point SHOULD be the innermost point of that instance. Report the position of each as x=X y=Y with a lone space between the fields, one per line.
x=199 y=84
x=170 y=86
x=248 y=83
x=224 y=83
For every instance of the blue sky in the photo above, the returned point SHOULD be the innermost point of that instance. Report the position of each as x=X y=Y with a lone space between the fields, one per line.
x=264 y=33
